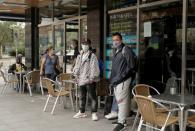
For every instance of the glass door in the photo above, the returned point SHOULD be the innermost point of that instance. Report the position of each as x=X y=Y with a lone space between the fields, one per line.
x=59 y=43
x=45 y=39
x=71 y=35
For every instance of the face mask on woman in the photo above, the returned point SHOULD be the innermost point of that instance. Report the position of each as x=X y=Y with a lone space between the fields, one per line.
x=85 y=48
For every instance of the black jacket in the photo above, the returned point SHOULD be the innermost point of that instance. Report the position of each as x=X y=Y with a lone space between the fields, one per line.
x=122 y=65
x=12 y=68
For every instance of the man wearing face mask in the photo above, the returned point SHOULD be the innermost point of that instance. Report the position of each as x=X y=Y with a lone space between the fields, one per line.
x=86 y=72
x=122 y=71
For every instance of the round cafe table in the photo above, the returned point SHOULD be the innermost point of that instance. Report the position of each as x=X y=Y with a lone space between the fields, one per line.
x=20 y=74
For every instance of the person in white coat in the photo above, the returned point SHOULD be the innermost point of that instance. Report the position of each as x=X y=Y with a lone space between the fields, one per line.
x=86 y=72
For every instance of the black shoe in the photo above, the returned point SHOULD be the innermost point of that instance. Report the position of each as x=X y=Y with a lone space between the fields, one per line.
x=132 y=114
x=119 y=127
x=114 y=122
x=114 y=118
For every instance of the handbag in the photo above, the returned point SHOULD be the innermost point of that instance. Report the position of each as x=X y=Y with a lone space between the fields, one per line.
x=58 y=70
x=103 y=88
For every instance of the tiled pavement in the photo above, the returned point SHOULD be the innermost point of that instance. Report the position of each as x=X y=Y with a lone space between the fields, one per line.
x=20 y=112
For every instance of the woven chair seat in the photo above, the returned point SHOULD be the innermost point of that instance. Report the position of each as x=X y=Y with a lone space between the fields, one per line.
x=191 y=120
x=63 y=93
x=161 y=118
x=12 y=81
x=161 y=110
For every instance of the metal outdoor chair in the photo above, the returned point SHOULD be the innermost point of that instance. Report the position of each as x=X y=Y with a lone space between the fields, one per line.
x=32 y=78
x=189 y=120
x=54 y=93
x=142 y=90
x=150 y=116
x=9 y=79
x=63 y=79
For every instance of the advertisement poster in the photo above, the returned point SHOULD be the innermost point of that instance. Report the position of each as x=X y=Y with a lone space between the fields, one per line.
x=147 y=29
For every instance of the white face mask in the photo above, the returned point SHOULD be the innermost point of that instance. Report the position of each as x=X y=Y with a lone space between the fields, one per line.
x=115 y=44
x=85 y=48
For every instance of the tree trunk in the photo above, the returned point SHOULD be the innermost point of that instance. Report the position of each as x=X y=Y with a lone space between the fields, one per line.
x=1 y=52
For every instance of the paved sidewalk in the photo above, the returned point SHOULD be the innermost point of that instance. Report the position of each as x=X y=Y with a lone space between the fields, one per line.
x=20 y=112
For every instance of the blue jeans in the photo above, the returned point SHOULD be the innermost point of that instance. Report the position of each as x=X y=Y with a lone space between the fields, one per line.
x=114 y=105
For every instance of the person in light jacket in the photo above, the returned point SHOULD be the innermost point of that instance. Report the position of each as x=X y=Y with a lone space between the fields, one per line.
x=86 y=72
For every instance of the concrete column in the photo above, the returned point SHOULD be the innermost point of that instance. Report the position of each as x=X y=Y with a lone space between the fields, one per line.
x=95 y=24
x=32 y=38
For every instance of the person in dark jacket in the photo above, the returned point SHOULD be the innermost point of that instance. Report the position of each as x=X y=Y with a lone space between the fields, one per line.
x=121 y=73
x=75 y=46
x=18 y=66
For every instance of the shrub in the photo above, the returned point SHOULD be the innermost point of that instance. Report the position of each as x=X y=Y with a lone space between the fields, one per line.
x=20 y=51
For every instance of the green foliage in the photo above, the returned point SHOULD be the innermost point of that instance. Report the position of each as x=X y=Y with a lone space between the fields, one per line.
x=12 y=35
x=20 y=51
x=5 y=32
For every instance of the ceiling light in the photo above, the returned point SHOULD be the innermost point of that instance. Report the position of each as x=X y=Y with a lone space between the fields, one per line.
x=4 y=10
x=14 y=4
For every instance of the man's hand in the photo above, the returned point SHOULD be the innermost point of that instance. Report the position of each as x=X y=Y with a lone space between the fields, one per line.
x=41 y=73
x=112 y=85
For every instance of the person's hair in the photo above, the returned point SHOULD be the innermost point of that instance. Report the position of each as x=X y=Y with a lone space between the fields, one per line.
x=89 y=41
x=117 y=34
x=19 y=58
x=86 y=41
x=75 y=42
x=49 y=48
x=19 y=55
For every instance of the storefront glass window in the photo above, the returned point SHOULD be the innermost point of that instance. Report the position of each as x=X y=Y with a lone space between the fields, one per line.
x=45 y=38
x=160 y=55
x=72 y=29
x=116 y=4
x=59 y=42
x=124 y=23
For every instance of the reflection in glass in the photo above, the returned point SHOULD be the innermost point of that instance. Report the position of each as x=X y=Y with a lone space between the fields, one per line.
x=45 y=38
x=59 y=42
x=124 y=23
x=71 y=35
x=116 y=4
x=160 y=55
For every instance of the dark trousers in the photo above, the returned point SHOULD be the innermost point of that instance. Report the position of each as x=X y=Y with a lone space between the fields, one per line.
x=51 y=76
x=91 y=89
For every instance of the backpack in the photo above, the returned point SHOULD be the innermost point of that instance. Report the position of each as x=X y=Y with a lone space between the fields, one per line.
x=100 y=63
x=135 y=68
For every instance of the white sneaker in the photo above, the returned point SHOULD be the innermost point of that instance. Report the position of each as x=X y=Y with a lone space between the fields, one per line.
x=111 y=115
x=80 y=115
x=94 y=117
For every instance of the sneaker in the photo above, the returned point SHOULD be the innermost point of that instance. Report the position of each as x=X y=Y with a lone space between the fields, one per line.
x=80 y=115
x=119 y=127
x=111 y=116
x=94 y=117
